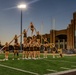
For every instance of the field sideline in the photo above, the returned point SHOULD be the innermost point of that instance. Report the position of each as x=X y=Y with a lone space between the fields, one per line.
x=43 y=66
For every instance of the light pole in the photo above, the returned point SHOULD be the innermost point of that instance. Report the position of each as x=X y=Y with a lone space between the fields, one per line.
x=21 y=6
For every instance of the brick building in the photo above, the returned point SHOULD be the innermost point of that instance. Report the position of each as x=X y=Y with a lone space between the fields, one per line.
x=65 y=38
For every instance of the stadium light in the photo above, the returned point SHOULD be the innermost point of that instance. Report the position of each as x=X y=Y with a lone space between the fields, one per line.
x=21 y=6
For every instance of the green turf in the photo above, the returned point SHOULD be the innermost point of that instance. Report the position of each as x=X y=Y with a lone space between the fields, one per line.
x=39 y=66
x=7 y=71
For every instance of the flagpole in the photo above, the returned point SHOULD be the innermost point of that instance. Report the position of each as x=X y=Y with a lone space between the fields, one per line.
x=41 y=31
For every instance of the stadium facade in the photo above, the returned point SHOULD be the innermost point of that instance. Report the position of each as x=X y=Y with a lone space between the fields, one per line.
x=66 y=38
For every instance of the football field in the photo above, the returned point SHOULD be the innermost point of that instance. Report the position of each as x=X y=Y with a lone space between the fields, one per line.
x=43 y=66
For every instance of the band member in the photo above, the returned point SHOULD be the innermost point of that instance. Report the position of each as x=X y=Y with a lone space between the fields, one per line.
x=16 y=50
x=6 y=50
x=54 y=50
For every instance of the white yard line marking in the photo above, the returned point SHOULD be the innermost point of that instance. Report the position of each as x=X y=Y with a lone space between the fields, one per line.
x=51 y=70
x=62 y=72
x=64 y=68
x=19 y=69
x=1 y=60
x=59 y=61
x=67 y=61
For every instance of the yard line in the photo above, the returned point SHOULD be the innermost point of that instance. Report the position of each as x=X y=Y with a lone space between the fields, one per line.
x=1 y=60
x=67 y=61
x=62 y=72
x=59 y=61
x=64 y=68
x=51 y=70
x=19 y=69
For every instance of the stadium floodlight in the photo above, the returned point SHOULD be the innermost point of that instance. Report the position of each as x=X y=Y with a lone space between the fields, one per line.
x=21 y=6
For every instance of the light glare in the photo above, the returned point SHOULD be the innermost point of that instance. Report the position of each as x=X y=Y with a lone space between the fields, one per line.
x=22 y=6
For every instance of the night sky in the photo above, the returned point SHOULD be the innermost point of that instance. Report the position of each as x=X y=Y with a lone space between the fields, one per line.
x=47 y=14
